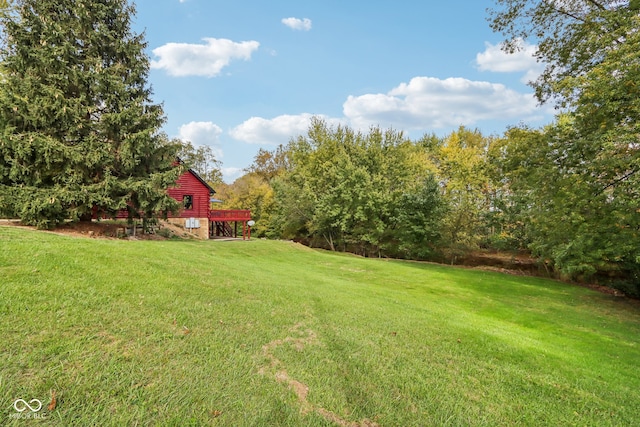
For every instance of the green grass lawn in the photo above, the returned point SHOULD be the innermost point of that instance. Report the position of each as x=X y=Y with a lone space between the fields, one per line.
x=259 y=333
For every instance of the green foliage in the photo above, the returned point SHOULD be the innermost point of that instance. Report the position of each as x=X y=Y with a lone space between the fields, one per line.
x=293 y=207
x=351 y=191
x=570 y=218
x=462 y=159
x=418 y=219
x=583 y=211
x=78 y=131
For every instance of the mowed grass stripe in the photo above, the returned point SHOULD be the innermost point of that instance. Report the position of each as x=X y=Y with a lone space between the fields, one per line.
x=273 y=333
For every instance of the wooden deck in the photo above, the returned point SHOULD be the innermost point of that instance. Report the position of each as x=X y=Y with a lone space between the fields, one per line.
x=229 y=215
x=221 y=219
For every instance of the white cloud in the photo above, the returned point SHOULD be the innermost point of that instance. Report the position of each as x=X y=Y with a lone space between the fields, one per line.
x=427 y=103
x=424 y=104
x=297 y=24
x=523 y=60
x=184 y=59
x=278 y=130
x=202 y=133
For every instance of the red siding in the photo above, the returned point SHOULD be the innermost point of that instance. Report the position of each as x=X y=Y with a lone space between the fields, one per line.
x=188 y=184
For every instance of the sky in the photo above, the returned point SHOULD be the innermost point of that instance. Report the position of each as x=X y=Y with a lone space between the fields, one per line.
x=243 y=75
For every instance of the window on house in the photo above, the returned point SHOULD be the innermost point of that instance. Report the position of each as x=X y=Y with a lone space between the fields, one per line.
x=187 y=201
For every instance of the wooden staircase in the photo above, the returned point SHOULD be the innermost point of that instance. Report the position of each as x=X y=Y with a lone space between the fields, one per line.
x=223 y=228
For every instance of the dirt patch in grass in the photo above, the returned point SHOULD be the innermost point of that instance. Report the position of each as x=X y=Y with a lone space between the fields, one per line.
x=520 y=263
x=301 y=339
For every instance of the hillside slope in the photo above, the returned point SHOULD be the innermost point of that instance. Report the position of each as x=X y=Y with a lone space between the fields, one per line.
x=273 y=333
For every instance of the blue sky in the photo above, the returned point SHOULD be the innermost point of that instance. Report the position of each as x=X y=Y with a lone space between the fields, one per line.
x=244 y=75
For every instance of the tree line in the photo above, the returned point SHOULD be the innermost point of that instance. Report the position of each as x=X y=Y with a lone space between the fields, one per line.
x=442 y=198
x=80 y=135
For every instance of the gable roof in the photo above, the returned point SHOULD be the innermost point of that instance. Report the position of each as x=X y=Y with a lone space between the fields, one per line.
x=199 y=178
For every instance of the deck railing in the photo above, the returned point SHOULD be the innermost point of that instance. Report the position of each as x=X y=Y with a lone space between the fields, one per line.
x=229 y=215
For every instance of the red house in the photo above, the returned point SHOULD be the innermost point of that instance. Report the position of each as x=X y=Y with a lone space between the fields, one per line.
x=196 y=214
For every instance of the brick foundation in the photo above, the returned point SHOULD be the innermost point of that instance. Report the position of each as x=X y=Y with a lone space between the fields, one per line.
x=201 y=233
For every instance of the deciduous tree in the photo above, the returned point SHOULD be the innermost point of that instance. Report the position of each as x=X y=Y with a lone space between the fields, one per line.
x=352 y=191
x=590 y=48
x=202 y=160
x=461 y=158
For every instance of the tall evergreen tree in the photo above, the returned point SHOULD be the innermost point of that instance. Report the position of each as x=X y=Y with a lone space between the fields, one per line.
x=78 y=130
